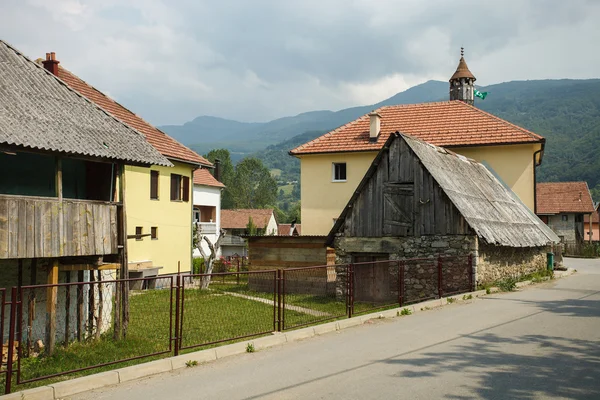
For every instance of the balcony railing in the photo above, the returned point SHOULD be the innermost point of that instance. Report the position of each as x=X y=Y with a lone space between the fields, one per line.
x=207 y=228
x=231 y=240
x=44 y=227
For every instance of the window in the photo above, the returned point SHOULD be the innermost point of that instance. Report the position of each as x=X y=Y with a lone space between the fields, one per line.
x=154 y=185
x=138 y=233
x=180 y=188
x=196 y=214
x=565 y=217
x=154 y=233
x=339 y=172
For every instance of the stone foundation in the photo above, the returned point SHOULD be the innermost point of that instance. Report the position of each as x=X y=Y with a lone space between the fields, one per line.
x=496 y=262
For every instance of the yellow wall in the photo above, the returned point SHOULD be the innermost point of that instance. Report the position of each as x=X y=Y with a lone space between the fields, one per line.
x=173 y=218
x=324 y=200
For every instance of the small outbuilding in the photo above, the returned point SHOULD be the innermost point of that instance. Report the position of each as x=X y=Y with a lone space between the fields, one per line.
x=422 y=201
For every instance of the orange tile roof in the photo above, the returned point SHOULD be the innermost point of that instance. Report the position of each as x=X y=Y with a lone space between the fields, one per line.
x=563 y=197
x=284 y=229
x=595 y=218
x=204 y=177
x=447 y=124
x=162 y=142
x=238 y=219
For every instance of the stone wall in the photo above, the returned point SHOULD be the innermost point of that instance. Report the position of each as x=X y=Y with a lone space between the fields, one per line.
x=420 y=275
x=564 y=229
x=494 y=263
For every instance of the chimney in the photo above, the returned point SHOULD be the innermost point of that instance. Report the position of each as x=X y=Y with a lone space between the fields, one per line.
x=375 y=126
x=51 y=63
x=218 y=169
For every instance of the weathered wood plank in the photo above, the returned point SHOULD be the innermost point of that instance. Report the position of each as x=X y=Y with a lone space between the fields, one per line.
x=97 y=230
x=89 y=229
x=418 y=180
x=22 y=229
x=3 y=228
x=30 y=229
x=13 y=227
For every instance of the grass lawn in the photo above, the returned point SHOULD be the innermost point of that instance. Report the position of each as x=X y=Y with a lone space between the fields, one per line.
x=287 y=189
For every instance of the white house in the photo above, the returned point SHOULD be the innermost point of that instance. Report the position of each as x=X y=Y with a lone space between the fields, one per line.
x=207 y=206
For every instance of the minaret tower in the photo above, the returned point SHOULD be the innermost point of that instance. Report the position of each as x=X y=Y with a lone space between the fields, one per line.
x=462 y=83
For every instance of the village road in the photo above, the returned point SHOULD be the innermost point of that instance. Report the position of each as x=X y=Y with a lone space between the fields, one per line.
x=540 y=342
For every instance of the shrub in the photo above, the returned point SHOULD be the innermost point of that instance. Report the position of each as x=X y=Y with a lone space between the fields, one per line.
x=508 y=284
x=191 y=363
x=450 y=300
x=198 y=266
x=250 y=348
x=405 y=311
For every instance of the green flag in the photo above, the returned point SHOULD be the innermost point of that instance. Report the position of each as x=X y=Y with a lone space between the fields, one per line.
x=479 y=94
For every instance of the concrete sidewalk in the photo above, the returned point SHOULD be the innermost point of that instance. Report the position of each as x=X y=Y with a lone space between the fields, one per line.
x=540 y=342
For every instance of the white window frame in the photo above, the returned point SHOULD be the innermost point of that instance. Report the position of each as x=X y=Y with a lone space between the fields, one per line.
x=333 y=172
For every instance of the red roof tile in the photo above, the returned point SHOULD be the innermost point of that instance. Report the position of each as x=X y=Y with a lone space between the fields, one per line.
x=447 y=124
x=238 y=219
x=595 y=218
x=563 y=197
x=204 y=177
x=284 y=229
x=162 y=142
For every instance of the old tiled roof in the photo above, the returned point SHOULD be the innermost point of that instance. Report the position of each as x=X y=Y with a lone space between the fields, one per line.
x=462 y=71
x=205 y=178
x=449 y=124
x=491 y=209
x=563 y=197
x=168 y=146
x=595 y=217
x=238 y=219
x=284 y=229
x=39 y=111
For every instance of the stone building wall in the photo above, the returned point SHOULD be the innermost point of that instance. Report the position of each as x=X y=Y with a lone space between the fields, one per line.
x=497 y=262
x=564 y=229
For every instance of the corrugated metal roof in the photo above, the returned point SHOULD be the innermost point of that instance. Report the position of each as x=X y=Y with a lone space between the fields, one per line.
x=490 y=208
x=39 y=111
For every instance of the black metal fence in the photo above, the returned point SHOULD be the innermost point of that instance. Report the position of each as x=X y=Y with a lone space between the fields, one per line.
x=68 y=328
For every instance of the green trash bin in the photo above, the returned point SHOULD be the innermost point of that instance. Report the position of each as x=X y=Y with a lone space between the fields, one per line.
x=550 y=261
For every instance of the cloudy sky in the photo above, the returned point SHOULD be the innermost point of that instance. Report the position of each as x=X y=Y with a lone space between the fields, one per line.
x=256 y=60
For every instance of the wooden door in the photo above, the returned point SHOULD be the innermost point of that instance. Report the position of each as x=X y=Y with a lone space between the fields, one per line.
x=398 y=209
x=371 y=281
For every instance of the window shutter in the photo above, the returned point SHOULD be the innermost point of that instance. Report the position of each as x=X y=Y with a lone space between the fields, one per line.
x=154 y=184
x=186 y=188
x=174 y=187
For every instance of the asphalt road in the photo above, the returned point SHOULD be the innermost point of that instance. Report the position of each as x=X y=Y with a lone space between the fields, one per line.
x=537 y=343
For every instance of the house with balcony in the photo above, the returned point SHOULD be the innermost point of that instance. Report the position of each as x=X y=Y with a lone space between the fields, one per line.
x=207 y=207
x=63 y=210
x=235 y=223
x=160 y=198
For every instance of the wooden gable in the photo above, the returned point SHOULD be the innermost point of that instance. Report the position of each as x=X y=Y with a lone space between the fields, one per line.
x=401 y=198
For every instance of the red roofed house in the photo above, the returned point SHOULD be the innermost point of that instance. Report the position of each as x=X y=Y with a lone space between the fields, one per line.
x=333 y=165
x=594 y=228
x=562 y=205
x=207 y=205
x=235 y=223
x=158 y=202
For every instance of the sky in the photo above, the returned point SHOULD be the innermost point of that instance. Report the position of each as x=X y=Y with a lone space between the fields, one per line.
x=256 y=60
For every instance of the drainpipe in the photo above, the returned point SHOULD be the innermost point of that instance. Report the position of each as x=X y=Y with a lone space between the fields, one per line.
x=535 y=165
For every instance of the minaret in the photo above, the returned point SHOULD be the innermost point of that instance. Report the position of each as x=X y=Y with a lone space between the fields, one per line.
x=462 y=83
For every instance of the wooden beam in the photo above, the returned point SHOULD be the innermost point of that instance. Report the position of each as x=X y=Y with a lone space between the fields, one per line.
x=59 y=195
x=89 y=267
x=51 y=300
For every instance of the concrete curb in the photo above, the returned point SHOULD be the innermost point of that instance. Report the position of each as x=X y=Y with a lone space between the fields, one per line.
x=71 y=387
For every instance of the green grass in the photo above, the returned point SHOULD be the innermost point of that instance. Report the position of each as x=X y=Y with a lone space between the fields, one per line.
x=287 y=189
x=275 y=173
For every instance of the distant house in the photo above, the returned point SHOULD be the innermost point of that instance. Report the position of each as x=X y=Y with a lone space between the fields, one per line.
x=235 y=222
x=593 y=228
x=62 y=189
x=563 y=205
x=207 y=207
x=289 y=229
x=159 y=201
x=420 y=201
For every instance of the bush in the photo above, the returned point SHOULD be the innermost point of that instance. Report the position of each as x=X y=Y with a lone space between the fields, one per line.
x=198 y=266
x=508 y=284
x=590 y=250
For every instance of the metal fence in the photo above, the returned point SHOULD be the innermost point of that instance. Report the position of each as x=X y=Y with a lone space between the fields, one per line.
x=50 y=331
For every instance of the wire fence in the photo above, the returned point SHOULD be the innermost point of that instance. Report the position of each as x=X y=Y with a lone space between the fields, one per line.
x=70 y=328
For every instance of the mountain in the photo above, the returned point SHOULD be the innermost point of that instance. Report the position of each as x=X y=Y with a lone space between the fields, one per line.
x=241 y=137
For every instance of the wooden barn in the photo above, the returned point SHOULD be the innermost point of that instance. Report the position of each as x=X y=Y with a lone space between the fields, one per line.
x=422 y=201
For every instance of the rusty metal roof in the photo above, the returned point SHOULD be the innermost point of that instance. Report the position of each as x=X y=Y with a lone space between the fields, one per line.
x=38 y=111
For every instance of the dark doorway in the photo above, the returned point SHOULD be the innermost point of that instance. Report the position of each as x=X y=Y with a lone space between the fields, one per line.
x=372 y=281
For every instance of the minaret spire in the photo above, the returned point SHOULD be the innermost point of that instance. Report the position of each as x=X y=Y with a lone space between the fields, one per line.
x=462 y=83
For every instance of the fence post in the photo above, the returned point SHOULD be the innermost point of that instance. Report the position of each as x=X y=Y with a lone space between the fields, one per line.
x=177 y=296
x=471 y=272
x=279 y=280
x=349 y=290
x=11 y=340
x=440 y=283
x=401 y=283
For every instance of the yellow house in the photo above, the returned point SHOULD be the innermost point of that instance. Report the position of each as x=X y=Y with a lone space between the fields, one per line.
x=333 y=165
x=159 y=199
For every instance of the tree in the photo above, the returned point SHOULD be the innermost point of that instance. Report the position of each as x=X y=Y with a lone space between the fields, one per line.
x=227 y=174
x=251 y=227
x=253 y=185
x=209 y=260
